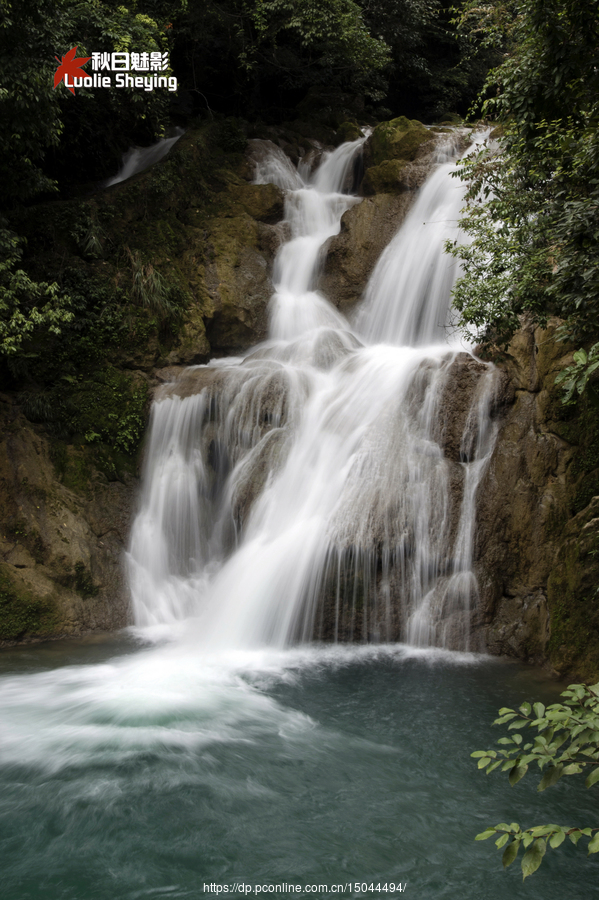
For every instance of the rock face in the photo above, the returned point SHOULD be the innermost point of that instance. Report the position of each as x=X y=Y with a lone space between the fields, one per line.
x=366 y=229
x=62 y=539
x=538 y=517
x=390 y=148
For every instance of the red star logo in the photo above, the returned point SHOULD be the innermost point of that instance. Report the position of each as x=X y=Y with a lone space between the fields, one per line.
x=69 y=66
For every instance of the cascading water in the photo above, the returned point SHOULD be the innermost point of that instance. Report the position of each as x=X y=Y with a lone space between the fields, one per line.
x=304 y=491
x=138 y=159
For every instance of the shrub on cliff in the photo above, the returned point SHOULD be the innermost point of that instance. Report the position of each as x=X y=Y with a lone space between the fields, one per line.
x=533 y=209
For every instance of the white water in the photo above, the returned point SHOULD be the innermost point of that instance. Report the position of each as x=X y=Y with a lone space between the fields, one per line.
x=303 y=491
x=408 y=297
x=138 y=159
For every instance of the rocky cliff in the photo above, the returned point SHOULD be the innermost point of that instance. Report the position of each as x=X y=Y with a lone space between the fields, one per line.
x=538 y=516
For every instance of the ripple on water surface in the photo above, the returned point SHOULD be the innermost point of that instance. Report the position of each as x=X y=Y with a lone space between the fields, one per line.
x=154 y=770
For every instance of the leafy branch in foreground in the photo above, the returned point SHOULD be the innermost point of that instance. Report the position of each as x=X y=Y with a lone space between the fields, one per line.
x=566 y=743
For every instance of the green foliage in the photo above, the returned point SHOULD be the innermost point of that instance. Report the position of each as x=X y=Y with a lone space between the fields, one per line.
x=46 y=132
x=435 y=68
x=27 y=307
x=533 y=210
x=107 y=409
x=150 y=289
x=575 y=379
x=264 y=47
x=566 y=743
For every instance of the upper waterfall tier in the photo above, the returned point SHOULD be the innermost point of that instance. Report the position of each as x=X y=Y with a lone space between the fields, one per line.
x=408 y=297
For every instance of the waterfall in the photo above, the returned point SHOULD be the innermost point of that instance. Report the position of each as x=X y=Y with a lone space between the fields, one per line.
x=138 y=159
x=408 y=296
x=324 y=486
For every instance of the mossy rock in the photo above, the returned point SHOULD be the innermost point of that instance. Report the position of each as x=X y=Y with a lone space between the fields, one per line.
x=348 y=131
x=451 y=119
x=400 y=138
x=387 y=178
x=263 y=202
x=23 y=614
x=573 y=599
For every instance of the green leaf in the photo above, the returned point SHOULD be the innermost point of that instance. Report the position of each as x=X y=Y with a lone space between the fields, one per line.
x=510 y=853
x=525 y=709
x=550 y=777
x=539 y=709
x=517 y=773
x=500 y=842
x=533 y=857
x=522 y=723
x=484 y=835
x=593 y=778
x=557 y=839
x=594 y=844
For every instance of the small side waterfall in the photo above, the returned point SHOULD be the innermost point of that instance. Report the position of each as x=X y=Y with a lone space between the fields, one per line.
x=138 y=159
x=407 y=299
x=324 y=486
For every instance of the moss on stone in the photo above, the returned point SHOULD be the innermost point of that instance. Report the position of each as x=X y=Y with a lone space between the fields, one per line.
x=23 y=614
x=385 y=178
x=348 y=131
x=400 y=138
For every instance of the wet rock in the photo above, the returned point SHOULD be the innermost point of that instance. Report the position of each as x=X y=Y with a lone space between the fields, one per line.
x=348 y=131
x=388 y=177
x=366 y=229
x=239 y=286
x=258 y=467
x=61 y=550
x=399 y=139
x=455 y=426
x=536 y=528
x=263 y=202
